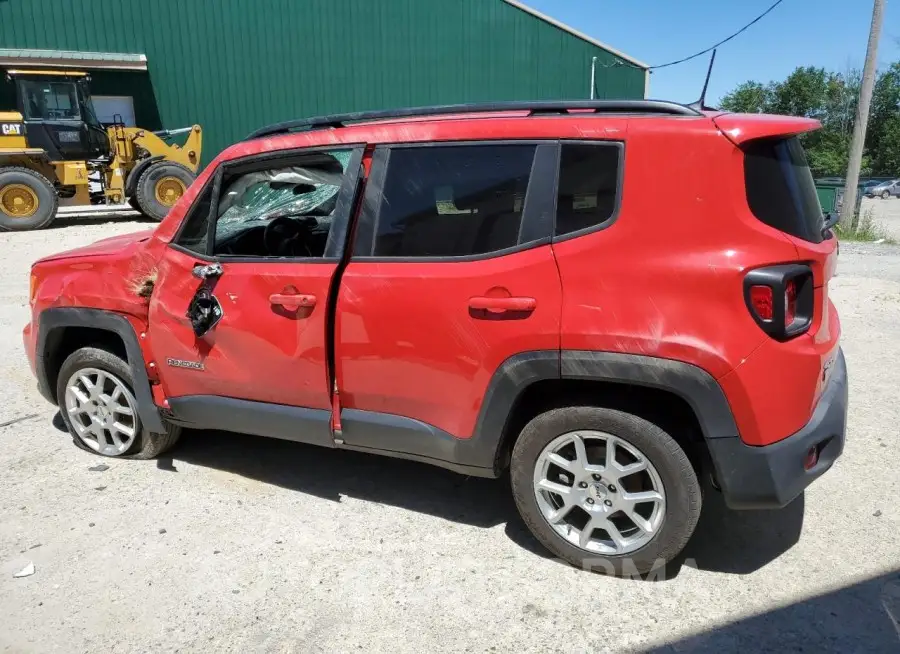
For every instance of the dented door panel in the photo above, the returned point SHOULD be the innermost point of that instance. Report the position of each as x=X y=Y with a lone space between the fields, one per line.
x=258 y=350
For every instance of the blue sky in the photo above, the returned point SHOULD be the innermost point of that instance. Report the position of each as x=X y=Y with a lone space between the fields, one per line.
x=827 y=33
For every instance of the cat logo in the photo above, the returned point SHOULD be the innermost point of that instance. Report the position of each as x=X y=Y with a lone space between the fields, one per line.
x=11 y=129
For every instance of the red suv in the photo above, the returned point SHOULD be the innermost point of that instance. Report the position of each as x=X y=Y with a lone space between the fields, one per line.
x=611 y=300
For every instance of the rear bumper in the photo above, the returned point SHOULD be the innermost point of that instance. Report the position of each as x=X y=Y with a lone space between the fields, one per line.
x=773 y=475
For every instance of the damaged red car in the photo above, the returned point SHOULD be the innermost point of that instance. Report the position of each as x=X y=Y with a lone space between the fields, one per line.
x=618 y=303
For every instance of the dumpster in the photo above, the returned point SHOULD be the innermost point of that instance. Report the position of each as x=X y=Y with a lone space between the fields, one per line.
x=831 y=194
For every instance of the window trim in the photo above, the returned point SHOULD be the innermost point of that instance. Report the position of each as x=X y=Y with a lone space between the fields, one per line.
x=533 y=213
x=346 y=197
x=620 y=183
x=189 y=214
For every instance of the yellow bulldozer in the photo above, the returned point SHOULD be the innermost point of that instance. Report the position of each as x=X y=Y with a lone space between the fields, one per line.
x=54 y=147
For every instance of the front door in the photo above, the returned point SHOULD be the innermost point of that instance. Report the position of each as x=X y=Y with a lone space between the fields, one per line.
x=241 y=310
x=452 y=273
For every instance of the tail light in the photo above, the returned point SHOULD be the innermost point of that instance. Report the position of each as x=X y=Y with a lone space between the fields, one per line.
x=761 y=302
x=790 y=302
x=780 y=299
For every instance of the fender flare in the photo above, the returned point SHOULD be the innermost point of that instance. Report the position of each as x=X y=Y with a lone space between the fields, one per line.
x=137 y=171
x=51 y=324
x=693 y=384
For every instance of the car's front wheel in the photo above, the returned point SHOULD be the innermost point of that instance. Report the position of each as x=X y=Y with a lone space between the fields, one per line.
x=604 y=489
x=97 y=403
x=885 y=195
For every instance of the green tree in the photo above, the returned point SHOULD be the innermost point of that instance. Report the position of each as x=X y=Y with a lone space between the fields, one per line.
x=803 y=93
x=747 y=98
x=831 y=98
x=882 y=133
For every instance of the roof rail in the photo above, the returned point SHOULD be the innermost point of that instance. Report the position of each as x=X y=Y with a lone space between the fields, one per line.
x=533 y=108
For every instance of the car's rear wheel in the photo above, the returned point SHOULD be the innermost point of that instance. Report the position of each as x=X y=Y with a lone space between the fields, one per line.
x=605 y=490
x=885 y=195
x=97 y=403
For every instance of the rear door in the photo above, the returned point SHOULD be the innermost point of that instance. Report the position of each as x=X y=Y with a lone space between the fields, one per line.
x=240 y=308
x=451 y=274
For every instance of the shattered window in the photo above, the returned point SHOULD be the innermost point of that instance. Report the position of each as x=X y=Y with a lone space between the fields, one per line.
x=285 y=210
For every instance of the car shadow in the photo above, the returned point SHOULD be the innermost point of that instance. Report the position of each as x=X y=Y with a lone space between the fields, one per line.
x=333 y=473
x=860 y=617
x=732 y=542
x=740 y=542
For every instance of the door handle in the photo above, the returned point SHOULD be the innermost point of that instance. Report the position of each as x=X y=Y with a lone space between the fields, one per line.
x=503 y=303
x=293 y=301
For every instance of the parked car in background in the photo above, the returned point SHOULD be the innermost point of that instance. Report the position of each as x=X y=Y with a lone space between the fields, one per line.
x=883 y=190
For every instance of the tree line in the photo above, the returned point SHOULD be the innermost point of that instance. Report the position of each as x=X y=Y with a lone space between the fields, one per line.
x=832 y=98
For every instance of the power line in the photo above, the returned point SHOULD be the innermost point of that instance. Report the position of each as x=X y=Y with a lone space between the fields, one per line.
x=753 y=22
x=725 y=40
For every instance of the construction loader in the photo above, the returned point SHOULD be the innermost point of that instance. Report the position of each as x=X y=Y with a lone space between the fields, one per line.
x=54 y=148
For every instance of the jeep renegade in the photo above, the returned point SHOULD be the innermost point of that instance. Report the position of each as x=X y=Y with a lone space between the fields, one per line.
x=612 y=300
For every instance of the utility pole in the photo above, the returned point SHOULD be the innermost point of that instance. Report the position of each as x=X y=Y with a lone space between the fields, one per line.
x=849 y=218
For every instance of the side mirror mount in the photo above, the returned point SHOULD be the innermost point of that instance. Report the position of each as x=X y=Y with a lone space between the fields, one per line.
x=204 y=312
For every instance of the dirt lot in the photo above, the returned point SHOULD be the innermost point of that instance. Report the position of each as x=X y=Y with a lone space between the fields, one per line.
x=243 y=544
x=885 y=213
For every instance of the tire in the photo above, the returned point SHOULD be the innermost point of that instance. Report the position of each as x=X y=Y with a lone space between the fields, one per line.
x=134 y=204
x=19 y=188
x=886 y=195
x=145 y=445
x=159 y=176
x=675 y=517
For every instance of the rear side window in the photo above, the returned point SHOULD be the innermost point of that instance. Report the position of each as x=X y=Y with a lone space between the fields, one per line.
x=452 y=201
x=588 y=186
x=780 y=189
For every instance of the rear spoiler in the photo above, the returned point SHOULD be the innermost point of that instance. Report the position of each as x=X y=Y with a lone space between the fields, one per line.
x=740 y=128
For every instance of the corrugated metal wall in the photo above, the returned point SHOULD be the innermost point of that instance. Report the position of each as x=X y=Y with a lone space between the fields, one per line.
x=234 y=65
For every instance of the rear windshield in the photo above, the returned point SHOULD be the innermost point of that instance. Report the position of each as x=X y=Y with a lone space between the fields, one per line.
x=780 y=188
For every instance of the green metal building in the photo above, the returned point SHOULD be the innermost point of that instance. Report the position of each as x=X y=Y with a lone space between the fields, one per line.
x=235 y=65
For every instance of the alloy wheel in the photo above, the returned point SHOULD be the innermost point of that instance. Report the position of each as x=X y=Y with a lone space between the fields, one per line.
x=599 y=492
x=102 y=411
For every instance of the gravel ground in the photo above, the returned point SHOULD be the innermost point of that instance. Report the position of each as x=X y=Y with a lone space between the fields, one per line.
x=243 y=544
x=885 y=213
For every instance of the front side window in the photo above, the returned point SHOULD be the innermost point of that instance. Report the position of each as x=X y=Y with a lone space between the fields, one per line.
x=588 y=185
x=452 y=201
x=45 y=100
x=283 y=210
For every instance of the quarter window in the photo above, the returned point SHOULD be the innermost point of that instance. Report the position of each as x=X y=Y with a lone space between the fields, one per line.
x=588 y=186
x=452 y=201
x=194 y=233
